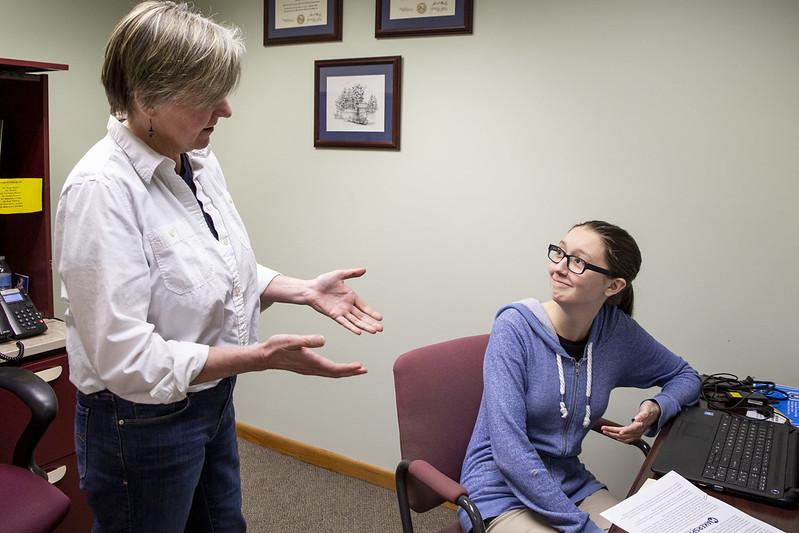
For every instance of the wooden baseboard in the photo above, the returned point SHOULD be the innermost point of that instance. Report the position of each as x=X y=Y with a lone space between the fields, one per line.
x=317 y=456
x=341 y=464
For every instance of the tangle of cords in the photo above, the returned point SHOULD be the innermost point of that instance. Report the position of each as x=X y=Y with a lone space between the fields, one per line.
x=726 y=392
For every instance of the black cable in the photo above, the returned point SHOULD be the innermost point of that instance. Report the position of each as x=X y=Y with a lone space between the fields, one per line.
x=725 y=392
x=12 y=358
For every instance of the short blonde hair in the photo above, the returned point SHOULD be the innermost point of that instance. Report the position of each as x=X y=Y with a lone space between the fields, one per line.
x=163 y=52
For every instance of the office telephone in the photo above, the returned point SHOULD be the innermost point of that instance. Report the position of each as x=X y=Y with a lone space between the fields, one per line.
x=19 y=317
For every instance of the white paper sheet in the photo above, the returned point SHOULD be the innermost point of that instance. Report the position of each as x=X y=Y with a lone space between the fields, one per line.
x=673 y=505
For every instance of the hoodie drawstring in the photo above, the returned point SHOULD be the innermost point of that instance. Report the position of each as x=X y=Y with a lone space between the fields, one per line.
x=565 y=412
x=587 y=419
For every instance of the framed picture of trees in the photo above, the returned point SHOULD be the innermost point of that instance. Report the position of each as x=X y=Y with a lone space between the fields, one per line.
x=357 y=102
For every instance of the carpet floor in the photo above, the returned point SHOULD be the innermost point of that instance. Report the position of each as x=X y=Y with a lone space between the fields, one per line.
x=284 y=495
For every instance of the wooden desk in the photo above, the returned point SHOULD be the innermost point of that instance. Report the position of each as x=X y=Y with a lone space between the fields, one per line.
x=785 y=519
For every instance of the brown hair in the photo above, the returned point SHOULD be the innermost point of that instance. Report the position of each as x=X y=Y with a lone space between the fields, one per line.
x=164 y=52
x=623 y=257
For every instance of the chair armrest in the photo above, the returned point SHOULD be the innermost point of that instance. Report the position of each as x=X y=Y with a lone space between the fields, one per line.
x=442 y=485
x=42 y=401
x=641 y=444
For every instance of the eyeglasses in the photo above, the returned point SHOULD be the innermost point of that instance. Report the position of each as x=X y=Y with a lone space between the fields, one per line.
x=574 y=263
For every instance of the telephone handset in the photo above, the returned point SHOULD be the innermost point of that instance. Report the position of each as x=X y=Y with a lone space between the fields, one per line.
x=19 y=317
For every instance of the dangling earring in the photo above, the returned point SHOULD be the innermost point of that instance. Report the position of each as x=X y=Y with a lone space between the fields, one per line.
x=150 y=132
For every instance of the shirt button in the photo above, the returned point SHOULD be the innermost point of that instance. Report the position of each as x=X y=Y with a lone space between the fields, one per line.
x=236 y=291
x=226 y=241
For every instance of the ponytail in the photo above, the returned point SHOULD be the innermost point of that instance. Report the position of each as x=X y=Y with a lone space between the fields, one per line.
x=625 y=299
x=623 y=257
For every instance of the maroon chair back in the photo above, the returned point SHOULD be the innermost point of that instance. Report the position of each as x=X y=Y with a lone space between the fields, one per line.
x=28 y=503
x=438 y=390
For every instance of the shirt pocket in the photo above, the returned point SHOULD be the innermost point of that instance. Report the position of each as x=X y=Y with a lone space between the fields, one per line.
x=182 y=257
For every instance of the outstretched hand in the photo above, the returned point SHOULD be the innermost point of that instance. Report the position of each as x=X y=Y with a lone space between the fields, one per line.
x=648 y=414
x=294 y=353
x=332 y=297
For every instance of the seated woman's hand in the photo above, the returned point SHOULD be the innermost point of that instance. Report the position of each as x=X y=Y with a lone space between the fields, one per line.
x=294 y=353
x=648 y=414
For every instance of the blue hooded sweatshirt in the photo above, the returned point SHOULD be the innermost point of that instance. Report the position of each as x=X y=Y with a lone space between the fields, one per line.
x=539 y=403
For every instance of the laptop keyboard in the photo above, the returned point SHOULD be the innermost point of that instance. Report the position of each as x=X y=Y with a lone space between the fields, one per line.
x=741 y=452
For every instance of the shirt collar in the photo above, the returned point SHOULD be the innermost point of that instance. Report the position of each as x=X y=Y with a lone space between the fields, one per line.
x=144 y=159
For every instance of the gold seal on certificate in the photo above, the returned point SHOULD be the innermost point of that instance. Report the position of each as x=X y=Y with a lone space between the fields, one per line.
x=421 y=8
x=293 y=13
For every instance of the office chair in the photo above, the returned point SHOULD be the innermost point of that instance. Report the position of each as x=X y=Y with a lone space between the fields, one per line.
x=438 y=391
x=27 y=501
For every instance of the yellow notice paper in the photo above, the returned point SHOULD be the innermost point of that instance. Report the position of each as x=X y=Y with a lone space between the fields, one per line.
x=20 y=195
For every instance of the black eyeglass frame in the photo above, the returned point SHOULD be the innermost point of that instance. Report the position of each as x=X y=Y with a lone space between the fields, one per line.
x=568 y=258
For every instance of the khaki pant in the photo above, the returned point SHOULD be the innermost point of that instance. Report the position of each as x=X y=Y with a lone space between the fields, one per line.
x=527 y=521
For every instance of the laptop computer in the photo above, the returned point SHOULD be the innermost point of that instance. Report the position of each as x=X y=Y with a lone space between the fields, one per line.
x=731 y=453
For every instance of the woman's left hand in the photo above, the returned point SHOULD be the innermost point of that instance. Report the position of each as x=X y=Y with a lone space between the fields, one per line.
x=648 y=414
x=329 y=295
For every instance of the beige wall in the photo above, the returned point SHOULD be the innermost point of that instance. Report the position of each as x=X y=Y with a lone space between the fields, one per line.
x=678 y=120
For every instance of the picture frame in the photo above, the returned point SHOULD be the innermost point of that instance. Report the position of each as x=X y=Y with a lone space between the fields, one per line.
x=407 y=18
x=357 y=102
x=301 y=21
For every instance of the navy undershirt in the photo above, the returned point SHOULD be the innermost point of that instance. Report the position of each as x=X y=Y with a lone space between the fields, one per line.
x=188 y=176
x=575 y=349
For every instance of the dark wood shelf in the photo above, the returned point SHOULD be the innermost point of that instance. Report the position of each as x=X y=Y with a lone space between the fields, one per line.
x=25 y=66
x=25 y=237
x=25 y=241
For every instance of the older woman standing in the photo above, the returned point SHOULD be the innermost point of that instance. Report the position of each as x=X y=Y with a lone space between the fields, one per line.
x=162 y=288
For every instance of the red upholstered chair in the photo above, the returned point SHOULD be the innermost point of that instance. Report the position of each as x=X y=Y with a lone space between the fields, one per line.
x=28 y=503
x=438 y=390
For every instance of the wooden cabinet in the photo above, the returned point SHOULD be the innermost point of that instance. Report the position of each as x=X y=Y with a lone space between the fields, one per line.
x=25 y=237
x=25 y=241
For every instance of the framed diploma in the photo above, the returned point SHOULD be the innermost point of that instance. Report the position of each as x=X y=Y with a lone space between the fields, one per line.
x=301 y=21
x=401 y=18
x=357 y=102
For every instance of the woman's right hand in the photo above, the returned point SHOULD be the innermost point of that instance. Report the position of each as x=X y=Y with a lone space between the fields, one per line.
x=294 y=353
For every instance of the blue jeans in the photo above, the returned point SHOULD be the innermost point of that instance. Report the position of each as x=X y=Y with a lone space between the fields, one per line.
x=168 y=468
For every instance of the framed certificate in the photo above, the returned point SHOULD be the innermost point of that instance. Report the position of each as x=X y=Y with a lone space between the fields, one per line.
x=357 y=102
x=401 y=18
x=301 y=21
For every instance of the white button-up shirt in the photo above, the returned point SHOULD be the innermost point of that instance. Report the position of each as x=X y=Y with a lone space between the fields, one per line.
x=147 y=286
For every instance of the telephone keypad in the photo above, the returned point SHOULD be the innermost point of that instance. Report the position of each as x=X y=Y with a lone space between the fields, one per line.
x=28 y=317
x=17 y=308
